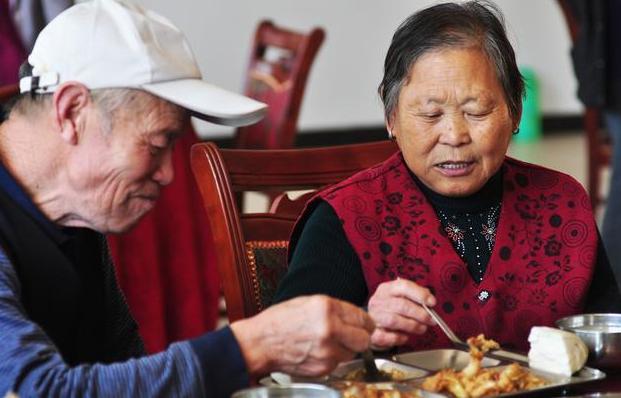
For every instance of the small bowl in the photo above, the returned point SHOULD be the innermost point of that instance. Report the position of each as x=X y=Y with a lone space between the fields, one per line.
x=293 y=390
x=602 y=335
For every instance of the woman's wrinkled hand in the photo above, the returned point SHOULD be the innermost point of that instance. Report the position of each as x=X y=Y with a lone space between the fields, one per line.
x=305 y=336
x=396 y=309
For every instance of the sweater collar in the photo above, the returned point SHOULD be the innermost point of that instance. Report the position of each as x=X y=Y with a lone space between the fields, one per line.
x=9 y=184
x=489 y=195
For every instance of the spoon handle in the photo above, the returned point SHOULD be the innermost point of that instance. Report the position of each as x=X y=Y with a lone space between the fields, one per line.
x=445 y=328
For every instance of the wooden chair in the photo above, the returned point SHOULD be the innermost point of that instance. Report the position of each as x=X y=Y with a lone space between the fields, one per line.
x=277 y=72
x=598 y=144
x=6 y=93
x=251 y=248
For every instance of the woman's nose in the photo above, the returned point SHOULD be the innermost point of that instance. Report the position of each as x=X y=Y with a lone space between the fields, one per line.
x=455 y=131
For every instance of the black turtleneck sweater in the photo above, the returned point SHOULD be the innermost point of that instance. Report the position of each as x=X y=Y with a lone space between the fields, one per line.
x=323 y=260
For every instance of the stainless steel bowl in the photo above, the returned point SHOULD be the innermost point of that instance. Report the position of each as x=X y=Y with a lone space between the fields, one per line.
x=601 y=333
x=292 y=390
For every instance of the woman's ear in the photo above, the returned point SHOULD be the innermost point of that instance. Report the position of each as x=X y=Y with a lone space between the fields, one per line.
x=516 y=121
x=71 y=103
x=390 y=129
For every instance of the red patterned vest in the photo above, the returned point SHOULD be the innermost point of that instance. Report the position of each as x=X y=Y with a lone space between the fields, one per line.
x=539 y=270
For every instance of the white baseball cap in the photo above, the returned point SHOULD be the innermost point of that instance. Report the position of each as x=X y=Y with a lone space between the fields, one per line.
x=117 y=44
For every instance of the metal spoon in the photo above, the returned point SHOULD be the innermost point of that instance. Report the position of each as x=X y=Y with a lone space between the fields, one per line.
x=502 y=354
x=372 y=374
x=445 y=328
x=449 y=333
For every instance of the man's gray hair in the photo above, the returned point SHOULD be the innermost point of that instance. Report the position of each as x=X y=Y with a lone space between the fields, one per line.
x=473 y=23
x=109 y=101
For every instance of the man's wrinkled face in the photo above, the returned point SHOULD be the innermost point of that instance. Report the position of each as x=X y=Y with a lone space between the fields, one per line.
x=119 y=173
x=452 y=121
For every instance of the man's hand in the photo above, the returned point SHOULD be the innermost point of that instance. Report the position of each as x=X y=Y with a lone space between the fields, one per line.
x=305 y=336
x=395 y=308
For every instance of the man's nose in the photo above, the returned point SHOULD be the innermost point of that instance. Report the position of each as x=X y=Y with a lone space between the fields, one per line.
x=165 y=173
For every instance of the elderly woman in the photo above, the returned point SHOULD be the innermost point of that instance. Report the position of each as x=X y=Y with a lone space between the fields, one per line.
x=495 y=244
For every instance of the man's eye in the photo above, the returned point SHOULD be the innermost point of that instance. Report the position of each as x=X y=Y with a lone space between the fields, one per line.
x=155 y=150
x=431 y=116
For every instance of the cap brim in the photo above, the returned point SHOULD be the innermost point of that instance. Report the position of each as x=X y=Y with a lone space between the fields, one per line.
x=209 y=102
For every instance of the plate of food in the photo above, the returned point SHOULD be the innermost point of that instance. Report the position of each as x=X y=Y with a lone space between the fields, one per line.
x=392 y=370
x=487 y=377
x=348 y=378
x=483 y=371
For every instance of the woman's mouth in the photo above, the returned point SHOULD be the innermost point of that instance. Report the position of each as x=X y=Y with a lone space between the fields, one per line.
x=455 y=168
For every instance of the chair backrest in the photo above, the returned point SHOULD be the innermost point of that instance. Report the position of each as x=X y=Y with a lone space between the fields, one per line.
x=251 y=248
x=277 y=72
x=6 y=93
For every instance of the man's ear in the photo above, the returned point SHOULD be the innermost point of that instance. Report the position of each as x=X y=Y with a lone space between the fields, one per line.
x=71 y=103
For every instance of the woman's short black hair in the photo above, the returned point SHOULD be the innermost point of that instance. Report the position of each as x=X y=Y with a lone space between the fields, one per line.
x=476 y=23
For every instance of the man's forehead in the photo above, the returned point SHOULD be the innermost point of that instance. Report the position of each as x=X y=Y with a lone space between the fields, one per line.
x=146 y=115
x=163 y=112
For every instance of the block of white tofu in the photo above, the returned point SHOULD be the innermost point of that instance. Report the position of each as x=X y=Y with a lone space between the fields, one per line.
x=556 y=351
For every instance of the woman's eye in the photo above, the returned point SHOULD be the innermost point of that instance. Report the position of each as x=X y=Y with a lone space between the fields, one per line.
x=477 y=115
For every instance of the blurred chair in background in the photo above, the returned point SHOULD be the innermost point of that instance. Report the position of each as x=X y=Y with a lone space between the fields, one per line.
x=251 y=249
x=595 y=29
x=280 y=62
x=279 y=65
x=7 y=92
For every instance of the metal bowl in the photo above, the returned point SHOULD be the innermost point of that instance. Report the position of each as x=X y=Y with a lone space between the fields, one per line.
x=293 y=390
x=602 y=335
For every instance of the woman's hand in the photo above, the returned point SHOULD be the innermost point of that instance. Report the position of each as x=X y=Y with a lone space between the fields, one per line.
x=396 y=309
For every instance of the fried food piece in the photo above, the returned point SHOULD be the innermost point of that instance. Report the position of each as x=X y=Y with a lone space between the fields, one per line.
x=475 y=382
x=515 y=378
x=478 y=347
x=364 y=390
x=391 y=373
x=446 y=380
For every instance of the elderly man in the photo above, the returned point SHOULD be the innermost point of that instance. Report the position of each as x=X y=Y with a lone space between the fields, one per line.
x=85 y=151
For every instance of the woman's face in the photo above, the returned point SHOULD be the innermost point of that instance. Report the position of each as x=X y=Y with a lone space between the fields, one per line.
x=452 y=122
